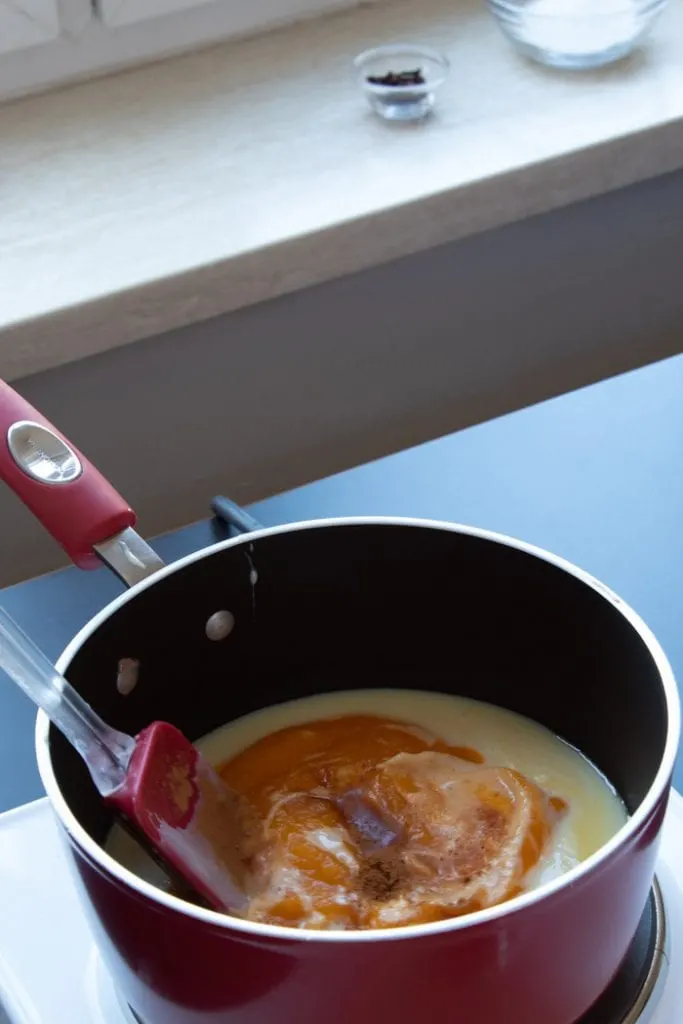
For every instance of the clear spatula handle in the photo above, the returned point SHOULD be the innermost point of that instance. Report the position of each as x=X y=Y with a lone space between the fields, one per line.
x=106 y=751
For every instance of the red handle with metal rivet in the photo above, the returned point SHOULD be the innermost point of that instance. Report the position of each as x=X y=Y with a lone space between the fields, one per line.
x=72 y=500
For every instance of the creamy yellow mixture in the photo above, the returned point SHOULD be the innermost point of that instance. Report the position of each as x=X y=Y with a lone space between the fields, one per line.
x=536 y=774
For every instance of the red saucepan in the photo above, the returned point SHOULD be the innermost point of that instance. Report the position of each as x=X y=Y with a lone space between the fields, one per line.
x=344 y=604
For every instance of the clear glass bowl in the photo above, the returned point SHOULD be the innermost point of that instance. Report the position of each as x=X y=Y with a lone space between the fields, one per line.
x=576 y=33
x=399 y=81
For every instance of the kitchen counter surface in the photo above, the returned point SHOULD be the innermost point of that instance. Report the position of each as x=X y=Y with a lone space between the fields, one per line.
x=594 y=476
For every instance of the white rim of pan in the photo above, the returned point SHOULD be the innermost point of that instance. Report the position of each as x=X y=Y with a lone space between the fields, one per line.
x=266 y=931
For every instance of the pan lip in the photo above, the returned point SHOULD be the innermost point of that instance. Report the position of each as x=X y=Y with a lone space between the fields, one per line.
x=254 y=930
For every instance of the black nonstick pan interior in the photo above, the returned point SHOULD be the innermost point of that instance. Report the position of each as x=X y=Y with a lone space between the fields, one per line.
x=348 y=606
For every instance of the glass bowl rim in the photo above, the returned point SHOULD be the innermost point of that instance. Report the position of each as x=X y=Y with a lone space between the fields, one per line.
x=637 y=7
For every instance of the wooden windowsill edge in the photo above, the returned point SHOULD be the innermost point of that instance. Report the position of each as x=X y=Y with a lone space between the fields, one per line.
x=184 y=190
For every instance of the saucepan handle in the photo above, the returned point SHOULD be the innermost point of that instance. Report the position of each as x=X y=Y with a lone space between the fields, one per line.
x=233 y=515
x=72 y=500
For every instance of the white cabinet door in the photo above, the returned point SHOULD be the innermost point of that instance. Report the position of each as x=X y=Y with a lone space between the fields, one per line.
x=25 y=23
x=124 y=12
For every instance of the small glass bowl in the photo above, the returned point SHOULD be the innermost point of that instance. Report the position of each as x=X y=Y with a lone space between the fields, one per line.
x=401 y=102
x=576 y=34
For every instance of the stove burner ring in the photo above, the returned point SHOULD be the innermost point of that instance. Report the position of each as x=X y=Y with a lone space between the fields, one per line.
x=633 y=995
x=658 y=966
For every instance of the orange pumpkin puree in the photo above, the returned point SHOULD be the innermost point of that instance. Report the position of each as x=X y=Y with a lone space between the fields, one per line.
x=364 y=822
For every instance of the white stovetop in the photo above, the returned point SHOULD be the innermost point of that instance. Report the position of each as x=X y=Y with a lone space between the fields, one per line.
x=50 y=971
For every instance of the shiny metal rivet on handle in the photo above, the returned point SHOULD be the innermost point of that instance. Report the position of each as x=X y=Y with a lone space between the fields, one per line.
x=41 y=454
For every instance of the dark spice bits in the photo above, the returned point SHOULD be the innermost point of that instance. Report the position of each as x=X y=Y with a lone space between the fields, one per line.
x=398 y=78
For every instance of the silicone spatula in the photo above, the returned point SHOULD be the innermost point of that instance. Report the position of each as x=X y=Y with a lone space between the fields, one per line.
x=158 y=780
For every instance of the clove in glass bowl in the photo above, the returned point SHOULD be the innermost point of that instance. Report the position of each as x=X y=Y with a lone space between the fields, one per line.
x=400 y=81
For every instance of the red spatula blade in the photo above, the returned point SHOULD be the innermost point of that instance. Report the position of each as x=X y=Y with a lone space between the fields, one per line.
x=173 y=795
